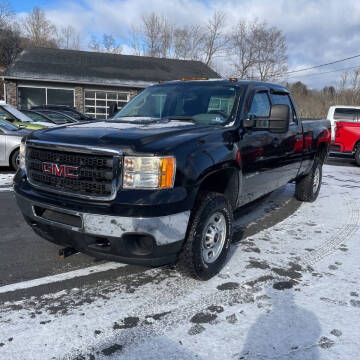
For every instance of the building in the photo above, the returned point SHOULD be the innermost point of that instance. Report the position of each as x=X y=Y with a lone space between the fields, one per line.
x=89 y=81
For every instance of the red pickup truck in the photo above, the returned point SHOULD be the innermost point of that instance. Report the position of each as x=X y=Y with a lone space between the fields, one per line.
x=346 y=134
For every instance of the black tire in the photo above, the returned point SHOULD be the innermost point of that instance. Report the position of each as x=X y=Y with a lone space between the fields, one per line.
x=14 y=160
x=357 y=155
x=305 y=186
x=191 y=259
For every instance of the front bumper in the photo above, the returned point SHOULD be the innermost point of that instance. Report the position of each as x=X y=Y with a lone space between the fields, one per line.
x=149 y=240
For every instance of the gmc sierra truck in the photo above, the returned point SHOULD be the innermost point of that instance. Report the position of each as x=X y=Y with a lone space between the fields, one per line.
x=159 y=182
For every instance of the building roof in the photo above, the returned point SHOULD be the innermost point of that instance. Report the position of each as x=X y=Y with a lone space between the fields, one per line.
x=85 y=67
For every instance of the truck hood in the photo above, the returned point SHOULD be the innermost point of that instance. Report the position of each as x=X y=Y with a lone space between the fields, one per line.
x=135 y=135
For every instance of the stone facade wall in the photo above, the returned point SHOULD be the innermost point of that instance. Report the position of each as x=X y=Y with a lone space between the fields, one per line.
x=79 y=98
x=11 y=93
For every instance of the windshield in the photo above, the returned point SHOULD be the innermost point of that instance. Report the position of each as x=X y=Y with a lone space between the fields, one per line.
x=35 y=116
x=56 y=117
x=6 y=125
x=15 y=112
x=202 y=103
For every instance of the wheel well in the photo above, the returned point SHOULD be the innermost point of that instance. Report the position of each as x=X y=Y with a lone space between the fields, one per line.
x=357 y=145
x=225 y=181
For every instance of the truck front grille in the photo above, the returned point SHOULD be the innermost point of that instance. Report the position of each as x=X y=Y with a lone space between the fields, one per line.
x=72 y=173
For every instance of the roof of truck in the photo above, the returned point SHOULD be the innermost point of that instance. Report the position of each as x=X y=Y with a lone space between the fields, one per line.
x=254 y=83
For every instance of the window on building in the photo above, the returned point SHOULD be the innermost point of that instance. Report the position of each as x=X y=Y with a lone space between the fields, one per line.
x=60 y=97
x=97 y=103
x=29 y=97
x=36 y=96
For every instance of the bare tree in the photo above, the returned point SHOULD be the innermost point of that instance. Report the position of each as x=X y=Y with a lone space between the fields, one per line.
x=10 y=44
x=157 y=35
x=69 y=38
x=108 y=44
x=166 y=38
x=313 y=103
x=270 y=47
x=257 y=51
x=215 y=40
x=152 y=29
x=39 y=30
x=6 y=12
x=188 y=42
x=135 y=40
x=242 y=50
x=94 y=44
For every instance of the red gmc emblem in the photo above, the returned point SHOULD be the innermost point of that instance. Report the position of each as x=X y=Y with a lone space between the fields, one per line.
x=60 y=170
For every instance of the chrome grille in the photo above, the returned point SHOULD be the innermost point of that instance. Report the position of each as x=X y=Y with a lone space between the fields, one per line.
x=97 y=172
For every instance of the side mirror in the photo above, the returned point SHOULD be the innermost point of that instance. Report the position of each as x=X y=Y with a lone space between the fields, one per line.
x=279 y=118
x=249 y=123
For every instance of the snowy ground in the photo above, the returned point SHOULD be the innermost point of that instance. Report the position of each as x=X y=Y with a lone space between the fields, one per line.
x=290 y=291
x=6 y=181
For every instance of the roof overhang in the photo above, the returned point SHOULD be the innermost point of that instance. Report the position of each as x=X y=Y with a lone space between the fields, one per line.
x=120 y=83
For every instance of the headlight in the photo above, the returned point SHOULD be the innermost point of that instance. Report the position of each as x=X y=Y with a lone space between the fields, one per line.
x=22 y=155
x=149 y=172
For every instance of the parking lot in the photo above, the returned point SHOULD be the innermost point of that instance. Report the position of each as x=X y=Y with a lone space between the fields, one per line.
x=290 y=288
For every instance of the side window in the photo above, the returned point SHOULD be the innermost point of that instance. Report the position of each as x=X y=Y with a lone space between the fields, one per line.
x=284 y=100
x=260 y=106
x=345 y=114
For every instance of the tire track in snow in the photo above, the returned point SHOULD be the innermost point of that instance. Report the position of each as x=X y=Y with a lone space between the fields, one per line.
x=344 y=234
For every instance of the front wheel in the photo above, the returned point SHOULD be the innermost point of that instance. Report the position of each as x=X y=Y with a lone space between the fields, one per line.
x=308 y=187
x=209 y=237
x=15 y=160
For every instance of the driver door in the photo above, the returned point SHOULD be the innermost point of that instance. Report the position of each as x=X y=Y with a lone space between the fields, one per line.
x=259 y=150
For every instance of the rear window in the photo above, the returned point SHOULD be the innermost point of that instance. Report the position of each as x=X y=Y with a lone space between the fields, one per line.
x=346 y=114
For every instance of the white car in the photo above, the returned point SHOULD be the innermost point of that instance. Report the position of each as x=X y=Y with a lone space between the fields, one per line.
x=342 y=113
x=10 y=138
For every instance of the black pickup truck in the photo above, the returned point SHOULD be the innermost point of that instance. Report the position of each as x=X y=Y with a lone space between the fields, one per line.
x=159 y=182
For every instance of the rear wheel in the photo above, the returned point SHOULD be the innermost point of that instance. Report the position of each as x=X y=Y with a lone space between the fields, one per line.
x=209 y=237
x=308 y=187
x=357 y=155
x=15 y=159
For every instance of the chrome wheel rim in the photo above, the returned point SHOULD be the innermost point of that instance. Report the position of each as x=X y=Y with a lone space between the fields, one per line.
x=316 y=181
x=214 y=236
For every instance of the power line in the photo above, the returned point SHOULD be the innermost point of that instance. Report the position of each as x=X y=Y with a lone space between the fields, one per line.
x=325 y=72
x=317 y=66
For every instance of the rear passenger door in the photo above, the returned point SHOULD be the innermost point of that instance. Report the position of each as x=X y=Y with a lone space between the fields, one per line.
x=290 y=143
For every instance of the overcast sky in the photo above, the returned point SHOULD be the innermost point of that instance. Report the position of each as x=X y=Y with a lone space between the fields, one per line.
x=317 y=31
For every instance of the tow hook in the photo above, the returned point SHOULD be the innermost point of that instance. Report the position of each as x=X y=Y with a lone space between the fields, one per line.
x=66 y=252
